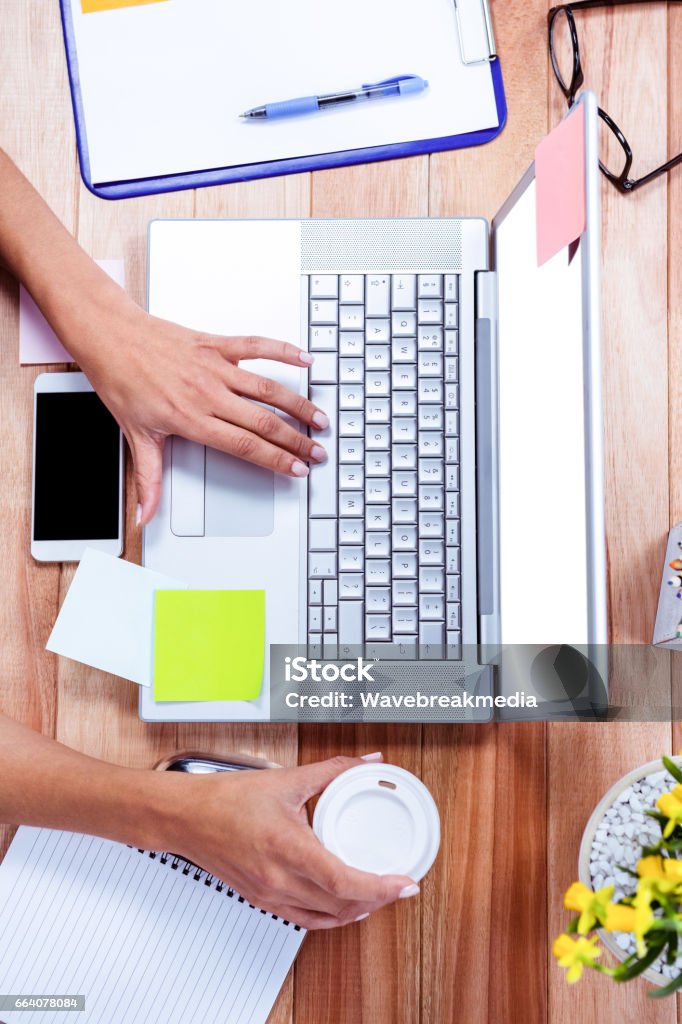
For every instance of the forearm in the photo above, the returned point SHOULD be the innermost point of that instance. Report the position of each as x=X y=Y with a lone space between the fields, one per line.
x=46 y=784
x=71 y=290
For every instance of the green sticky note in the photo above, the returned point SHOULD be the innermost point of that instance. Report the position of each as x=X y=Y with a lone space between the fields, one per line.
x=208 y=644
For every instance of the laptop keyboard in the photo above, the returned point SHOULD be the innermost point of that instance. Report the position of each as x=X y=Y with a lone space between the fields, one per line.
x=383 y=511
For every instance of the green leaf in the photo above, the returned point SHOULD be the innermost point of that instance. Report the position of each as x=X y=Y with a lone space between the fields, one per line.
x=572 y=926
x=626 y=973
x=673 y=769
x=661 y=993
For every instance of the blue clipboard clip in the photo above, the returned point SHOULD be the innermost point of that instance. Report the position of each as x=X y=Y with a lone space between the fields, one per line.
x=488 y=28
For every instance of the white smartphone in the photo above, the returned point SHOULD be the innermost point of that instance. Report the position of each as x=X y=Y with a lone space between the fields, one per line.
x=77 y=471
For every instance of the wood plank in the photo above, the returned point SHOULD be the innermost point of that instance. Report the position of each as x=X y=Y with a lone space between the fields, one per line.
x=34 y=73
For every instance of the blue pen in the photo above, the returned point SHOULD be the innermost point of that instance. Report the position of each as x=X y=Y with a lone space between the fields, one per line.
x=401 y=85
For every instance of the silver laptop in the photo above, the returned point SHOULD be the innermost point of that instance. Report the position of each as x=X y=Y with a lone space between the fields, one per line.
x=456 y=532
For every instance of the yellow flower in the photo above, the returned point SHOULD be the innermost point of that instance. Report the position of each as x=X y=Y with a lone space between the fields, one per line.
x=619 y=918
x=650 y=867
x=664 y=869
x=647 y=890
x=575 y=954
x=591 y=905
x=670 y=804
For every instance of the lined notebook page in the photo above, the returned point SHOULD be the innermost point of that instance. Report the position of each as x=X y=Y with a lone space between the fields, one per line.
x=141 y=941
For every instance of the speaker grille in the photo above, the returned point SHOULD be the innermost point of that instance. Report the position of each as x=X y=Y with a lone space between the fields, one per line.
x=393 y=246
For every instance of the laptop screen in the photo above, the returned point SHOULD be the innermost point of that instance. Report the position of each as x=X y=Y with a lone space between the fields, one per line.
x=544 y=490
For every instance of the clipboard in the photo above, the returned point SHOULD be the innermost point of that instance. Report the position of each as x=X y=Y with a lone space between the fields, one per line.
x=482 y=51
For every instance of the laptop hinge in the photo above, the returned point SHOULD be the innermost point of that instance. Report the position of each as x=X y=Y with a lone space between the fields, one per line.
x=487 y=463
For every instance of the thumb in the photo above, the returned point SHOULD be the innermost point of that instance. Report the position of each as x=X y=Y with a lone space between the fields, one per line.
x=147 y=455
x=313 y=778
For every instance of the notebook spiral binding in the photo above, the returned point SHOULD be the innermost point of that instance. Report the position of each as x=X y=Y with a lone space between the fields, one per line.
x=200 y=874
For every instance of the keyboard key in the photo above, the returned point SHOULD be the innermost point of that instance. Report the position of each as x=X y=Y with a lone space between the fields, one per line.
x=404 y=378
x=404 y=538
x=323 y=339
x=430 y=339
x=351 y=622
x=351 y=558
x=454 y=644
x=431 y=525
x=404 y=510
x=404 y=429
x=378 y=599
x=330 y=620
x=430 y=443
x=404 y=350
x=322 y=564
x=452 y=504
x=324 y=370
x=351 y=585
x=430 y=391
x=431 y=608
x=452 y=533
x=377 y=357
x=404 y=403
x=315 y=592
x=330 y=592
x=452 y=562
x=431 y=639
x=352 y=318
x=351 y=504
x=430 y=365
x=378 y=544
x=351 y=531
x=451 y=343
x=351 y=449
x=324 y=286
x=430 y=311
x=431 y=581
x=351 y=370
x=324 y=311
x=452 y=450
x=430 y=417
x=351 y=424
x=377 y=295
x=430 y=286
x=322 y=535
x=451 y=287
x=452 y=396
x=378 y=464
x=404 y=566
x=431 y=552
x=352 y=288
x=377 y=491
x=405 y=456
x=452 y=424
x=378 y=410
x=314 y=645
x=351 y=343
x=454 y=617
x=431 y=498
x=378 y=627
x=378 y=517
x=330 y=646
x=451 y=319
x=378 y=385
x=378 y=437
x=404 y=291
x=453 y=588
x=404 y=325
x=405 y=592
x=378 y=332
x=322 y=483
x=452 y=478
x=315 y=619
x=405 y=620
x=405 y=484
x=451 y=369
x=351 y=478
x=430 y=471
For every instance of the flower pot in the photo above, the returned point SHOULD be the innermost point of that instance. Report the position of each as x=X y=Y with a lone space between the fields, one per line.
x=597 y=821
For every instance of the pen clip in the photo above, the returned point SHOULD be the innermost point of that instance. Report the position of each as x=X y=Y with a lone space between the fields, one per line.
x=389 y=81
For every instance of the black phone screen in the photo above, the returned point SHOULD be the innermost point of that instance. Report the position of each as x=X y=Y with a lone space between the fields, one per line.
x=76 y=468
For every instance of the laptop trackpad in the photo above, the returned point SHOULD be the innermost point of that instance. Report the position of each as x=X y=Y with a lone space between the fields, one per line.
x=240 y=497
x=217 y=495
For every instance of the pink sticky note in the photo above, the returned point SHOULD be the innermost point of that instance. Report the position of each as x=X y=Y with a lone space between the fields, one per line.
x=37 y=341
x=560 y=186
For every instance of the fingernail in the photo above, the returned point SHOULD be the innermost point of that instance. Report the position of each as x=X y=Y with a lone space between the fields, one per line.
x=138 y=515
x=320 y=420
x=307 y=358
x=373 y=757
x=361 y=918
x=409 y=890
x=298 y=469
x=317 y=453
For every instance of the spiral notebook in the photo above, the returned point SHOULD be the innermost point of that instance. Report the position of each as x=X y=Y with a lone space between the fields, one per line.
x=141 y=936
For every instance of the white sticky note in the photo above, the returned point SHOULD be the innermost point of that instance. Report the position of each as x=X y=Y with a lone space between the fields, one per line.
x=107 y=618
x=38 y=344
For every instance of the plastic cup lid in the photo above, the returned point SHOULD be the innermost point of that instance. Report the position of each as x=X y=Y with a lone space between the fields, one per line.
x=379 y=818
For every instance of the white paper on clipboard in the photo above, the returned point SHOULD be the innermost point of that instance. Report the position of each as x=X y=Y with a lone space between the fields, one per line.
x=163 y=84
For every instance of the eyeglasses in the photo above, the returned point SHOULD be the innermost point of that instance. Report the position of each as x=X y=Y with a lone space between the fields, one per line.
x=569 y=74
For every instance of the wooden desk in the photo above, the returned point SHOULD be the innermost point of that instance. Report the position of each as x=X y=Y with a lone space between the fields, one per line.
x=474 y=947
